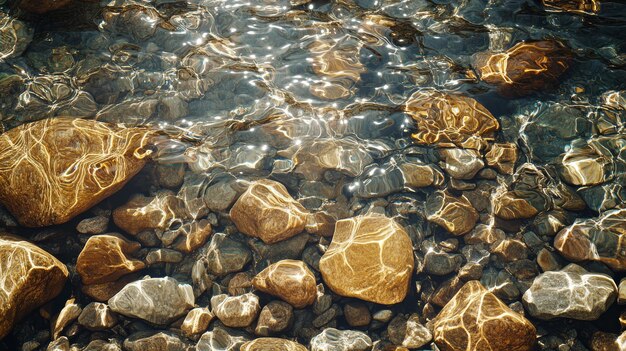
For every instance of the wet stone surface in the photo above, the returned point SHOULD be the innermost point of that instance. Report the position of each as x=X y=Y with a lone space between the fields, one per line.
x=312 y=175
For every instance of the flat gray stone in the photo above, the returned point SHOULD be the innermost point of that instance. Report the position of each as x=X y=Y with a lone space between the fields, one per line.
x=331 y=339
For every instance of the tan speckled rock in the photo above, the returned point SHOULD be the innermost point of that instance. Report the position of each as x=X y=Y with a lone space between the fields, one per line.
x=142 y=213
x=450 y=120
x=236 y=311
x=54 y=169
x=105 y=258
x=370 y=258
x=273 y=344
x=475 y=319
x=455 y=214
x=29 y=277
x=197 y=321
x=574 y=6
x=290 y=280
x=268 y=212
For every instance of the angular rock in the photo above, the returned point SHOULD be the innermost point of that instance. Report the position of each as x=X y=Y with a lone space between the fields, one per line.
x=475 y=319
x=275 y=317
x=357 y=314
x=331 y=339
x=155 y=341
x=516 y=204
x=196 y=321
x=571 y=292
x=584 y=166
x=225 y=255
x=93 y=225
x=97 y=316
x=597 y=239
x=370 y=258
x=274 y=344
x=143 y=213
x=103 y=292
x=157 y=300
x=16 y=36
x=105 y=258
x=455 y=214
x=236 y=311
x=268 y=212
x=524 y=68
x=29 y=277
x=290 y=280
x=68 y=314
x=574 y=6
x=92 y=160
x=502 y=157
x=408 y=332
x=450 y=120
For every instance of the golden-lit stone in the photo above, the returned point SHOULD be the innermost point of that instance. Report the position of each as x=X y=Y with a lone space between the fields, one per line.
x=104 y=291
x=524 y=68
x=574 y=6
x=598 y=239
x=370 y=258
x=475 y=319
x=142 y=213
x=29 y=277
x=268 y=212
x=197 y=321
x=509 y=206
x=584 y=166
x=194 y=236
x=420 y=175
x=68 y=314
x=450 y=120
x=273 y=344
x=105 y=259
x=455 y=214
x=290 y=280
x=54 y=169
x=502 y=156
x=338 y=62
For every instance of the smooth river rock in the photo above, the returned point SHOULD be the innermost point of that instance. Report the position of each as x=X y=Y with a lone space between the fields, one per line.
x=571 y=292
x=596 y=239
x=475 y=319
x=331 y=339
x=236 y=311
x=268 y=212
x=54 y=169
x=29 y=277
x=370 y=258
x=157 y=300
x=454 y=214
x=450 y=120
x=524 y=68
x=106 y=258
x=290 y=280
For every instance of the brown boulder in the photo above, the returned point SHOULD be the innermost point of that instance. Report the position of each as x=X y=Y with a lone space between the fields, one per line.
x=450 y=120
x=54 y=169
x=105 y=259
x=502 y=157
x=290 y=280
x=29 y=277
x=268 y=212
x=475 y=319
x=574 y=6
x=524 y=68
x=370 y=258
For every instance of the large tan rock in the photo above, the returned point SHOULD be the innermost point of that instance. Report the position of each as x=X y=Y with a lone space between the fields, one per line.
x=29 y=277
x=54 y=169
x=290 y=280
x=106 y=258
x=268 y=212
x=450 y=120
x=524 y=68
x=475 y=319
x=370 y=258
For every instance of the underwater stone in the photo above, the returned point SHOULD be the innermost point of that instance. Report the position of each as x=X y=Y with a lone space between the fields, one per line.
x=105 y=258
x=92 y=160
x=289 y=280
x=236 y=311
x=455 y=214
x=274 y=344
x=331 y=339
x=370 y=258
